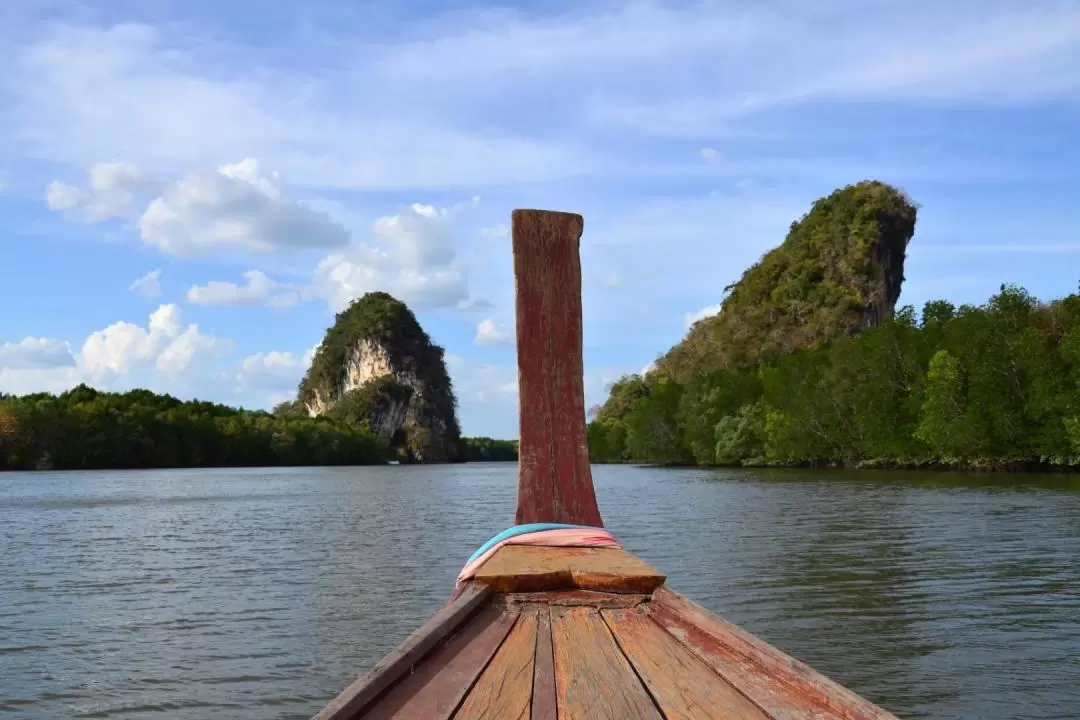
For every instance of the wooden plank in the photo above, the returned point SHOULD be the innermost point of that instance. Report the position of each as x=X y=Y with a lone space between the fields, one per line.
x=593 y=679
x=779 y=699
x=585 y=598
x=554 y=478
x=782 y=685
x=361 y=692
x=527 y=568
x=436 y=687
x=683 y=686
x=504 y=690
x=545 y=702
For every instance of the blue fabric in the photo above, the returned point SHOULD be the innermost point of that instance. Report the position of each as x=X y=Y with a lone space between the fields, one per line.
x=522 y=530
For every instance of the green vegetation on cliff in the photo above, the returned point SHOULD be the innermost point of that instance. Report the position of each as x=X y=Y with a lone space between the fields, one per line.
x=846 y=381
x=839 y=271
x=409 y=401
x=378 y=318
x=370 y=403
x=85 y=429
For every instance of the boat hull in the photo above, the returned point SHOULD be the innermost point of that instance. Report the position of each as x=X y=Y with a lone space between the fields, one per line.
x=588 y=646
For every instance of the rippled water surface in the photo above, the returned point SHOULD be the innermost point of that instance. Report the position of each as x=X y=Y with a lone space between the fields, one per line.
x=261 y=593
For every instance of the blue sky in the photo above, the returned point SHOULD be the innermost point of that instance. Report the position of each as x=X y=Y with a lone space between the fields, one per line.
x=189 y=190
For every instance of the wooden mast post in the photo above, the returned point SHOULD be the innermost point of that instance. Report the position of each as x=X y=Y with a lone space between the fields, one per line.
x=554 y=478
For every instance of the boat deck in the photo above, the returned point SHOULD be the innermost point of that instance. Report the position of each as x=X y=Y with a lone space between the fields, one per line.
x=549 y=633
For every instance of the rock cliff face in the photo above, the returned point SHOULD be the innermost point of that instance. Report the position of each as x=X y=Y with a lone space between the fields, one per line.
x=376 y=366
x=838 y=272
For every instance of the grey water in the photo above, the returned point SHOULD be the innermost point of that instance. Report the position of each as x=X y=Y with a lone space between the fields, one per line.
x=261 y=593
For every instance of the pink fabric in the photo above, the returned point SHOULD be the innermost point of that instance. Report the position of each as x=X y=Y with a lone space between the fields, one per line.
x=546 y=538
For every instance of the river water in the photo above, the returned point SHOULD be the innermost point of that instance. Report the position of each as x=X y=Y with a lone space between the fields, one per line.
x=260 y=593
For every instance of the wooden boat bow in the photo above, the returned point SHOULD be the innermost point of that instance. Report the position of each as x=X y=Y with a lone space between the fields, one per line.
x=576 y=632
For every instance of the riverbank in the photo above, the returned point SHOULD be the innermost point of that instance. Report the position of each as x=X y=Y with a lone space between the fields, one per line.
x=929 y=466
x=993 y=388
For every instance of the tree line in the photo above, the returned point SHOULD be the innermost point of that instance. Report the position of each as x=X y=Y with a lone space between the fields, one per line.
x=485 y=449
x=85 y=429
x=989 y=386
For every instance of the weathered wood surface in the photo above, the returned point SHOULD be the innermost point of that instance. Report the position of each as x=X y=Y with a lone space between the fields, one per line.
x=526 y=568
x=787 y=688
x=586 y=598
x=780 y=700
x=545 y=701
x=554 y=479
x=593 y=679
x=436 y=687
x=504 y=690
x=360 y=693
x=682 y=685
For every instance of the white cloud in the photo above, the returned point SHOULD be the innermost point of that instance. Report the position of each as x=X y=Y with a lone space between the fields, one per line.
x=168 y=101
x=149 y=285
x=21 y=381
x=697 y=65
x=236 y=206
x=36 y=353
x=488 y=333
x=165 y=356
x=439 y=105
x=411 y=255
x=648 y=368
x=113 y=190
x=945 y=53
x=707 y=311
x=165 y=345
x=274 y=370
x=61 y=196
x=711 y=155
x=259 y=290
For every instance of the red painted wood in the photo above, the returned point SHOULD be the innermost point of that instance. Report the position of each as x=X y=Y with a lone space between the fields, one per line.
x=554 y=479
